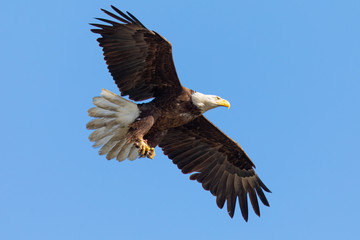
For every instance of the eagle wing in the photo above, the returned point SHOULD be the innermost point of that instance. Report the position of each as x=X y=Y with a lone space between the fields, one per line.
x=139 y=60
x=221 y=165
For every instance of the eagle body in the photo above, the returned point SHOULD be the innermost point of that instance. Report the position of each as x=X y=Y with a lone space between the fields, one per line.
x=171 y=111
x=140 y=61
x=159 y=115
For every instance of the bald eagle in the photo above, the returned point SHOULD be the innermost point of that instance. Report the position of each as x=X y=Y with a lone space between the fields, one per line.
x=141 y=63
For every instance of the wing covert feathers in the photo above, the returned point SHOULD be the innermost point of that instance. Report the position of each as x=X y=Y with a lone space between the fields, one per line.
x=139 y=60
x=218 y=163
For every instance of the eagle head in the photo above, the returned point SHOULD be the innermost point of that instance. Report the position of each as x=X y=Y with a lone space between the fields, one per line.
x=206 y=102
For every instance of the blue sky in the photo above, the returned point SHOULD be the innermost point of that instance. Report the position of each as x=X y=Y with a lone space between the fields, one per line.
x=289 y=68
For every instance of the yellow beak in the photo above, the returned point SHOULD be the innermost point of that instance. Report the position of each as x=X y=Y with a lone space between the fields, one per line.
x=223 y=102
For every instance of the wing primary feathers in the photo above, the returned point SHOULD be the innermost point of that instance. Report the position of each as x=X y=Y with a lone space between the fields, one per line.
x=123 y=14
x=263 y=185
x=254 y=201
x=220 y=192
x=108 y=21
x=243 y=204
x=115 y=16
x=137 y=20
x=102 y=26
x=99 y=31
x=230 y=195
x=261 y=195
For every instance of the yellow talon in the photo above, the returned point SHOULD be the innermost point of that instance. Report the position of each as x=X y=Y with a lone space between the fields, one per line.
x=151 y=153
x=144 y=149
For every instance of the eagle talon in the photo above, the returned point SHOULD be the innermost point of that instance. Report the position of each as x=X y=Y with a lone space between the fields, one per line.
x=144 y=149
x=151 y=153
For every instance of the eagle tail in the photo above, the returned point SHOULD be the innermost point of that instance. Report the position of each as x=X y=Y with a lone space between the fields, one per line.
x=113 y=115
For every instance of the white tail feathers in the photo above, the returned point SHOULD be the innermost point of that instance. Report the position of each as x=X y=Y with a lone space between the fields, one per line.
x=113 y=115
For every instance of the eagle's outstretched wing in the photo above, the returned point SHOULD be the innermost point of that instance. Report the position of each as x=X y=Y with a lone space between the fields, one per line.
x=139 y=60
x=221 y=165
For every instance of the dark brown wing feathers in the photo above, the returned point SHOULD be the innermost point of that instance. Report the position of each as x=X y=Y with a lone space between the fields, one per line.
x=139 y=60
x=219 y=164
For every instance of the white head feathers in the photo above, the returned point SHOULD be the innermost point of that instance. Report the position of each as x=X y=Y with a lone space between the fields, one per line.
x=207 y=102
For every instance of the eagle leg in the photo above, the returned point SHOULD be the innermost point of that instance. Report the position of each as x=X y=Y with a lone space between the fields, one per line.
x=151 y=153
x=144 y=149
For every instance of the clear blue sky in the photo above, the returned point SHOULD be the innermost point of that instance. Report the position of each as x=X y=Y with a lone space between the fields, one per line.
x=291 y=70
